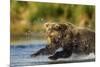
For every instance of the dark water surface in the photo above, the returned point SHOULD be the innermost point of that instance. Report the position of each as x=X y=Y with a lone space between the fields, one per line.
x=20 y=56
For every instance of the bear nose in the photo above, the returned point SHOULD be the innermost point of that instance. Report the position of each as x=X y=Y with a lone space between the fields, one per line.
x=48 y=33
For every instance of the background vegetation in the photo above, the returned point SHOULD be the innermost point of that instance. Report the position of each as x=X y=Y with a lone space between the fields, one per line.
x=27 y=18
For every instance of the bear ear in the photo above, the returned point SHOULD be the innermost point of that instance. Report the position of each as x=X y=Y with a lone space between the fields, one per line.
x=63 y=27
x=56 y=26
x=46 y=25
x=70 y=25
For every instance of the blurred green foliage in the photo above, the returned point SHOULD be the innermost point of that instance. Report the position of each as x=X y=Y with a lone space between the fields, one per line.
x=29 y=17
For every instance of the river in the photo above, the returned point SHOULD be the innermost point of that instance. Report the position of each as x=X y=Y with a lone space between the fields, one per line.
x=20 y=55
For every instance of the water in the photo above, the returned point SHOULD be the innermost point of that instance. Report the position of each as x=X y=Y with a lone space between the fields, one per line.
x=20 y=55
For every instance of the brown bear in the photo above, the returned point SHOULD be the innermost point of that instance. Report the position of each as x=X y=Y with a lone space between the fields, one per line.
x=69 y=37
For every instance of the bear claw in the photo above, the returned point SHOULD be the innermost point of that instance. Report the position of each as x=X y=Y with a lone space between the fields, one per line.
x=53 y=58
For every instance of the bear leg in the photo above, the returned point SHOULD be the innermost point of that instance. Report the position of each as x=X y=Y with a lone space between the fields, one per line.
x=44 y=51
x=61 y=54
